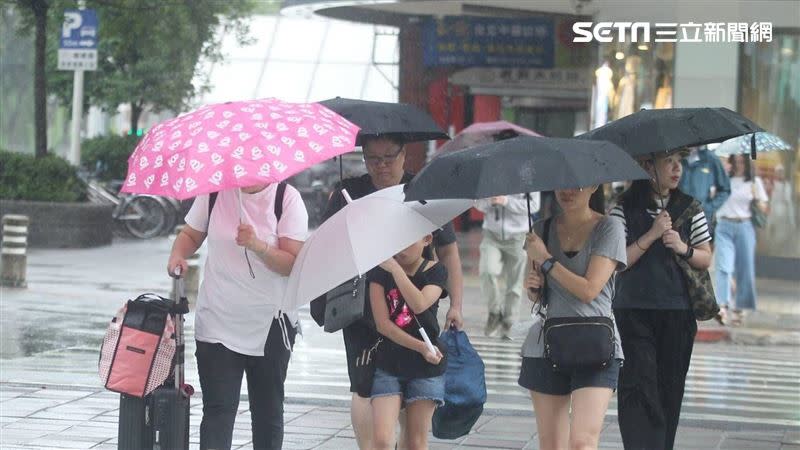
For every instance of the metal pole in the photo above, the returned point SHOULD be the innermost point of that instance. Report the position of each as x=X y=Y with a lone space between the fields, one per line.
x=77 y=115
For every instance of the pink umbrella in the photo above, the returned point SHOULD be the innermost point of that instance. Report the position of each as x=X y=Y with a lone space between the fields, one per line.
x=483 y=133
x=235 y=144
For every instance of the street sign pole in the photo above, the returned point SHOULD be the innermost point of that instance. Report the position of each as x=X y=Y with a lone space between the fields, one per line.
x=77 y=115
x=77 y=51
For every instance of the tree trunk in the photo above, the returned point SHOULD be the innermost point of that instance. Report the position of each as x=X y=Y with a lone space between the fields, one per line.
x=40 y=78
x=136 y=113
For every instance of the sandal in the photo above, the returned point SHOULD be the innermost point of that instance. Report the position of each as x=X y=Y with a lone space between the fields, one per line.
x=722 y=315
x=736 y=318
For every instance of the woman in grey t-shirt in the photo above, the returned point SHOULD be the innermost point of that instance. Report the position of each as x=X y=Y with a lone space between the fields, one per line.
x=583 y=252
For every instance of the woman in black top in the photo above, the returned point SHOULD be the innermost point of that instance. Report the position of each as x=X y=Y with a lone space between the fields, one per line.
x=404 y=294
x=652 y=306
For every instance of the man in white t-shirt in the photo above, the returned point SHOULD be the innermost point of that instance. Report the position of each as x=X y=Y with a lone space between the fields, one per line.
x=239 y=327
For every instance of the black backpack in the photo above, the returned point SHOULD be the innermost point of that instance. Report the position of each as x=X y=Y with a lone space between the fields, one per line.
x=212 y=198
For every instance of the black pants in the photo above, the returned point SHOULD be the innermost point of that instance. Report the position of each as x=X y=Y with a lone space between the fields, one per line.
x=221 y=381
x=658 y=348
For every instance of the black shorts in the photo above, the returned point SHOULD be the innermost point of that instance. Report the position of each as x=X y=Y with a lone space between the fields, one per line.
x=537 y=375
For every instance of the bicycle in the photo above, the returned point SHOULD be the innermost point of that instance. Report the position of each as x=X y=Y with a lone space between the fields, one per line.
x=142 y=216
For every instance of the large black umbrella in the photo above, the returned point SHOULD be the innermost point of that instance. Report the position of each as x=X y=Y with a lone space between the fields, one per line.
x=663 y=130
x=520 y=165
x=408 y=122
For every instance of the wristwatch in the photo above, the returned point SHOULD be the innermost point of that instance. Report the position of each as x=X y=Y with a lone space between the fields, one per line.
x=547 y=265
x=689 y=253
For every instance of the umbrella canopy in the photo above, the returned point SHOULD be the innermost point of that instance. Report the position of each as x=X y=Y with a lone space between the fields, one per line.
x=363 y=234
x=483 y=133
x=235 y=144
x=522 y=164
x=663 y=130
x=765 y=142
x=408 y=122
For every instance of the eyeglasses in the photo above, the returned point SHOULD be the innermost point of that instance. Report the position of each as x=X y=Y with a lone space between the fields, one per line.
x=375 y=160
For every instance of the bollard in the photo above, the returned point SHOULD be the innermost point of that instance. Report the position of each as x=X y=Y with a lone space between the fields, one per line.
x=192 y=275
x=14 y=251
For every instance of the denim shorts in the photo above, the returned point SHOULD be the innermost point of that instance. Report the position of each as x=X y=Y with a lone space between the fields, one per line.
x=537 y=375
x=410 y=389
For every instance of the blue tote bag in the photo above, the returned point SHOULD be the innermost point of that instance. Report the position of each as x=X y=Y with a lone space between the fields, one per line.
x=465 y=388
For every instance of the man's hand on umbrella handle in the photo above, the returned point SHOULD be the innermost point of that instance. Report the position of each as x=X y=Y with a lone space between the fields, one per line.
x=454 y=319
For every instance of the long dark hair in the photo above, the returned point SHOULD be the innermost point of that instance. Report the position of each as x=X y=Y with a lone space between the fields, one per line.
x=640 y=196
x=748 y=168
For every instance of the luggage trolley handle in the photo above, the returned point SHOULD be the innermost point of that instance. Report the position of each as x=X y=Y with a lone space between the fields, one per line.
x=180 y=308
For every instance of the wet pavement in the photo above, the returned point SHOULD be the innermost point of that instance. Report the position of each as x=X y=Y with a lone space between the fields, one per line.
x=50 y=334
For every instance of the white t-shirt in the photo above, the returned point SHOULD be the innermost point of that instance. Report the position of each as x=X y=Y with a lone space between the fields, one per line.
x=737 y=206
x=233 y=308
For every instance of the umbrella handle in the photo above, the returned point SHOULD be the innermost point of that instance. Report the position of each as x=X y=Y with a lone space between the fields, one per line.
x=530 y=219
x=241 y=213
x=427 y=340
x=346 y=196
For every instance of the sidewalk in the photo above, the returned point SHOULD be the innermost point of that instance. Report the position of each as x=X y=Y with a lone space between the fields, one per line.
x=41 y=417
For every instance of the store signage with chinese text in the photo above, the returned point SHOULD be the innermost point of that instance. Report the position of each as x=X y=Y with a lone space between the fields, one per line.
x=489 y=42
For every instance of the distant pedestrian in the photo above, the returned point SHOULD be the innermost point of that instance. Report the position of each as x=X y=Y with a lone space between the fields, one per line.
x=736 y=241
x=502 y=260
x=705 y=179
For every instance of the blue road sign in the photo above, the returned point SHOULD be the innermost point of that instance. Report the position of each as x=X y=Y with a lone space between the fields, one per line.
x=79 y=30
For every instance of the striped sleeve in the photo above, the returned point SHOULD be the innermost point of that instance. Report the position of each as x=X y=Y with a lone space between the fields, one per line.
x=617 y=213
x=699 y=233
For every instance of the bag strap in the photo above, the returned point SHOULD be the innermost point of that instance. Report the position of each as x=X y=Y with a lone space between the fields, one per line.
x=279 y=200
x=546 y=239
x=686 y=208
x=279 y=194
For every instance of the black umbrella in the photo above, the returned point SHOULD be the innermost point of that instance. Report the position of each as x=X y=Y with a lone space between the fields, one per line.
x=663 y=130
x=408 y=122
x=520 y=165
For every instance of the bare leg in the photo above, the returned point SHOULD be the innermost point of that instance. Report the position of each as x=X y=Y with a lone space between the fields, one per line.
x=384 y=419
x=361 y=417
x=589 y=407
x=552 y=420
x=418 y=422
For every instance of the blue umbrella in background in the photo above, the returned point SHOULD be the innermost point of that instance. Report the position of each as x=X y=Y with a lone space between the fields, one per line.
x=765 y=142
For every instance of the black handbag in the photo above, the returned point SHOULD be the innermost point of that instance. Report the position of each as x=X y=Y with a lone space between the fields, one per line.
x=579 y=343
x=576 y=343
x=345 y=304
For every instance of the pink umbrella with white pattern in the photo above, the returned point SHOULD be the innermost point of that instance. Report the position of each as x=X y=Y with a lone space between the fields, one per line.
x=235 y=144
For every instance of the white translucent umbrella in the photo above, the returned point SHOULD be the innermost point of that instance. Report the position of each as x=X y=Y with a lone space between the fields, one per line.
x=363 y=234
